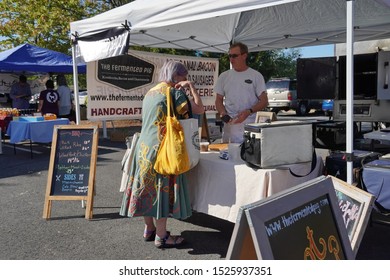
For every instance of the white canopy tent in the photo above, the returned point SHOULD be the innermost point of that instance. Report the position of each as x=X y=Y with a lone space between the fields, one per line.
x=213 y=25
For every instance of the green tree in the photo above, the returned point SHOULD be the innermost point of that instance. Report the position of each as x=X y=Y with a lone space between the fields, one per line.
x=272 y=63
x=47 y=24
x=44 y=23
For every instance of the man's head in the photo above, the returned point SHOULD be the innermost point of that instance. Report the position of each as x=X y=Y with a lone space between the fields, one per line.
x=61 y=80
x=238 y=53
x=50 y=84
x=23 y=79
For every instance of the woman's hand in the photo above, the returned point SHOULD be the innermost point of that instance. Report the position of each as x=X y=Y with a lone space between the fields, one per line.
x=184 y=84
x=196 y=102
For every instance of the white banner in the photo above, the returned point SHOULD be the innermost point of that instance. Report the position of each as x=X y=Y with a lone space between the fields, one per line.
x=116 y=86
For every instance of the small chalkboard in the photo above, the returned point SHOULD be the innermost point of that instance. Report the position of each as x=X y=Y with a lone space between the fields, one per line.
x=72 y=166
x=356 y=206
x=303 y=222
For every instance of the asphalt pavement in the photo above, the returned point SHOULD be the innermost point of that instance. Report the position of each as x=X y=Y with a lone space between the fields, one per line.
x=25 y=235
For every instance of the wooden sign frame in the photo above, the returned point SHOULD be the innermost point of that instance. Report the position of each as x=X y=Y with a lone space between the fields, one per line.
x=356 y=211
x=74 y=131
x=205 y=134
x=301 y=222
x=261 y=116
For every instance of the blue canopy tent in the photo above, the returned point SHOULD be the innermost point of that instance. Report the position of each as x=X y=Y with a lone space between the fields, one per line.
x=29 y=58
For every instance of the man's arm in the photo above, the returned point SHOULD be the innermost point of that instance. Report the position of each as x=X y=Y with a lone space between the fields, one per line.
x=29 y=93
x=13 y=92
x=219 y=105
x=40 y=105
x=263 y=102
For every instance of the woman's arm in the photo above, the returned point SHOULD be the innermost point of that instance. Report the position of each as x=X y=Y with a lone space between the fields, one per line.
x=196 y=101
x=40 y=106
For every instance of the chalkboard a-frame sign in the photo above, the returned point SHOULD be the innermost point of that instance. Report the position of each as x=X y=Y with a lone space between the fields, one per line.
x=72 y=166
x=303 y=222
x=356 y=206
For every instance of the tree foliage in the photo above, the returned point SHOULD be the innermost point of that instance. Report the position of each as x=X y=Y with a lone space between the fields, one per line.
x=272 y=63
x=44 y=23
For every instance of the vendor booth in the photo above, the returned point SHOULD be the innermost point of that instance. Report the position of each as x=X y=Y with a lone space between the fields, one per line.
x=28 y=58
x=32 y=59
x=220 y=187
x=211 y=26
x=33 y=129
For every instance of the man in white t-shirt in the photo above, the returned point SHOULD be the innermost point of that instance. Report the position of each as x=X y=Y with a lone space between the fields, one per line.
x=241 y=92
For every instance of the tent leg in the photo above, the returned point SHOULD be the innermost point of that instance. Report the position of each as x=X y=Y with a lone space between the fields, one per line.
x=349 y=118
x=31 y=151
x=75 y=83
x=104 y=129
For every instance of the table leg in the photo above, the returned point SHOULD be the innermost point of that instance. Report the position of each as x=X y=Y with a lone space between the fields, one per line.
x=31 y=152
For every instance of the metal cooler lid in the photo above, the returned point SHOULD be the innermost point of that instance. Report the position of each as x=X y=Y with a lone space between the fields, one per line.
x=257 y=127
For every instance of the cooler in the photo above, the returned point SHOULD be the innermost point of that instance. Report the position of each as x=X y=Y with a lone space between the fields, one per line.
x=282 y=142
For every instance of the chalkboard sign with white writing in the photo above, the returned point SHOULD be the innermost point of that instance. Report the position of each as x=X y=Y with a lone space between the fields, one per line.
x=355 y=205
x=303 y=222
x=72 y=162
x=72 y=165
x=311 y=227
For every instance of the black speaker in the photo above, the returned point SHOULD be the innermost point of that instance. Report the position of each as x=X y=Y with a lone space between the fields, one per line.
x=316 y=78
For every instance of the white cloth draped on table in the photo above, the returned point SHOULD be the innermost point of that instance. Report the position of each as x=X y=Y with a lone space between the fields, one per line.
x=220 y=187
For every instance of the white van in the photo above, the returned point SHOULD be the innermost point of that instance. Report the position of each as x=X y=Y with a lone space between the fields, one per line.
x=282 y=95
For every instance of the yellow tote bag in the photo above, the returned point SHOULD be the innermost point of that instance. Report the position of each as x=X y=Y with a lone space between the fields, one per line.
x=172 y=157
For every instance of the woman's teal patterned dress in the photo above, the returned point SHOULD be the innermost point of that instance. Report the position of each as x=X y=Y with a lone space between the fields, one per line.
x=149 y=193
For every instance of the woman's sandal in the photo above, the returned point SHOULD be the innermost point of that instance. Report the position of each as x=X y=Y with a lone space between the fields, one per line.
x=149 y=235
x=161 y=243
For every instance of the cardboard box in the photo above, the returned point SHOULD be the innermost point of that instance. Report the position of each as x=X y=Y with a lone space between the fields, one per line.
x=31 y=119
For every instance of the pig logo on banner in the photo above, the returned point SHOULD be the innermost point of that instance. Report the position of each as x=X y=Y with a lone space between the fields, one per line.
x=125 y=71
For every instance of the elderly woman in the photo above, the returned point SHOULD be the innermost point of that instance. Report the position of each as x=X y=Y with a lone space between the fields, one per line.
x=149 y=194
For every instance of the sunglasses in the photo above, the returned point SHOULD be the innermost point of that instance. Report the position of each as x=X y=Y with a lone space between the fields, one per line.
x=234 y=55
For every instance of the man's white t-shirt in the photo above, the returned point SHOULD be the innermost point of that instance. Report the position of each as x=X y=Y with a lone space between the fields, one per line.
x=241 y=90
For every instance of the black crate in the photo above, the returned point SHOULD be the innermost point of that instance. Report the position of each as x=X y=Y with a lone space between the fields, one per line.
x=331 y=135
x=336 y=164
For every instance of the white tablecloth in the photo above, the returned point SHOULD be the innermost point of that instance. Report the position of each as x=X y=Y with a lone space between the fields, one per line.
x=220 y=187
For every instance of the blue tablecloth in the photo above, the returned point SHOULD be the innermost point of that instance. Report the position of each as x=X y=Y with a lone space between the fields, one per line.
x=376 y=178
x=40 y=132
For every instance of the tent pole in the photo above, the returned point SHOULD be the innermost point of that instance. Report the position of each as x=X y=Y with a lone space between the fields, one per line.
x=350 y=90
x=75 y=83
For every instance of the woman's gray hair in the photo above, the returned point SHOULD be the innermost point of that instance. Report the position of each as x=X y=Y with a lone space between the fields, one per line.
x=170 y=69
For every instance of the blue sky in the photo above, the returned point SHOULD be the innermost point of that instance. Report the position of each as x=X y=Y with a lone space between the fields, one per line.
x=317 y=51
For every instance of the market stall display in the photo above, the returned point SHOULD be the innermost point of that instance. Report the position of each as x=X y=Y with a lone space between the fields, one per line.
x=32 y=129
x=220 y=187
x=6 y=115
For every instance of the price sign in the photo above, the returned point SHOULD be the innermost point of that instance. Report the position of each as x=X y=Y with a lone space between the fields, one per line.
x=72 y=166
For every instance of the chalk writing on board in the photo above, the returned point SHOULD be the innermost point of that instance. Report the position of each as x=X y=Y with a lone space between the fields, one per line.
x=314 y=252
x=72 y=162
x=309 y=231
x=292 y=217
x=351 y=209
